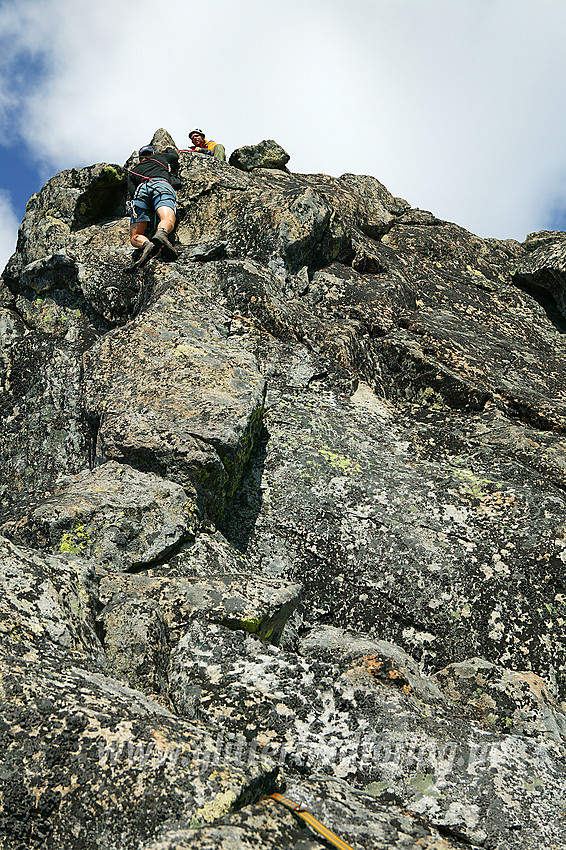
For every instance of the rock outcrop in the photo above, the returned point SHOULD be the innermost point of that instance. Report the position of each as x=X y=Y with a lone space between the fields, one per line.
x=266 y=154
x=286 y=514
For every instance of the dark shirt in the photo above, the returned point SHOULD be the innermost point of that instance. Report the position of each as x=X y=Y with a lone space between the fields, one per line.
x=157 y=166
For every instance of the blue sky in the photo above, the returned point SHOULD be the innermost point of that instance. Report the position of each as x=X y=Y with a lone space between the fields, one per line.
x=19 y=175
x=455 y=105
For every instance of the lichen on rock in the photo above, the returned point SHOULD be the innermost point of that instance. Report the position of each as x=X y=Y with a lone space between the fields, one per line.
x=285 y=512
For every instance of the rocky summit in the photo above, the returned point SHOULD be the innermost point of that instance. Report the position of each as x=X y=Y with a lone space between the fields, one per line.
x=286 y=515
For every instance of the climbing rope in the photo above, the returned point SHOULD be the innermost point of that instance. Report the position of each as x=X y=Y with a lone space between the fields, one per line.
x=314 y=824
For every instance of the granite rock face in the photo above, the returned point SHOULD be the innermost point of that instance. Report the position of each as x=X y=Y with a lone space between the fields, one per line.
x=286 y=513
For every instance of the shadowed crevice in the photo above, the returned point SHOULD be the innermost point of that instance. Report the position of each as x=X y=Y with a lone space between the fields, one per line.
x=238 y=521
x=546 y=300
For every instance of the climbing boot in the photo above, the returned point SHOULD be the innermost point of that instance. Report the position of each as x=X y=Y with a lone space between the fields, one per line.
x=160 y=239
x=146 y=253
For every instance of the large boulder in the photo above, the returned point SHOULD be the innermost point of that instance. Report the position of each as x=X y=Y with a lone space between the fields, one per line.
x=175 y=394
x=266 y=154
x=121 y=517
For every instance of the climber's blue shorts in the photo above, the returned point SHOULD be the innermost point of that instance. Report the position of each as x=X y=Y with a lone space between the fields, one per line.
x=149 y=196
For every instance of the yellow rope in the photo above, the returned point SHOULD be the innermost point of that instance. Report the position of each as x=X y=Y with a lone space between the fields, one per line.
x=310 y=820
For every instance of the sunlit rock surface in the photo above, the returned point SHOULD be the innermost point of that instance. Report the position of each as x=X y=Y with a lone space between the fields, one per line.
x=287 y=513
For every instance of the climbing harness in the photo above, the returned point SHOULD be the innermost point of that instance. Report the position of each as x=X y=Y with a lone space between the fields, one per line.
x=152 y=159
x=314 y=824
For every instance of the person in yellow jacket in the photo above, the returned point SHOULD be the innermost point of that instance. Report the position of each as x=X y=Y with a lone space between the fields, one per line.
x=201 y=145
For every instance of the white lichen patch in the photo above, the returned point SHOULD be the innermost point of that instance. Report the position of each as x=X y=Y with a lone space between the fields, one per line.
x=462 y=813
x=458 y=515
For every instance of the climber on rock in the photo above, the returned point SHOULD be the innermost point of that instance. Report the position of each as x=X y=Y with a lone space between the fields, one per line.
x=201 y=145
x=150 y=184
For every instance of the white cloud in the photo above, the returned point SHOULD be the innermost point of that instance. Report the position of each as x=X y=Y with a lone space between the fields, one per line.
x=8 y=228
x=454 y=105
